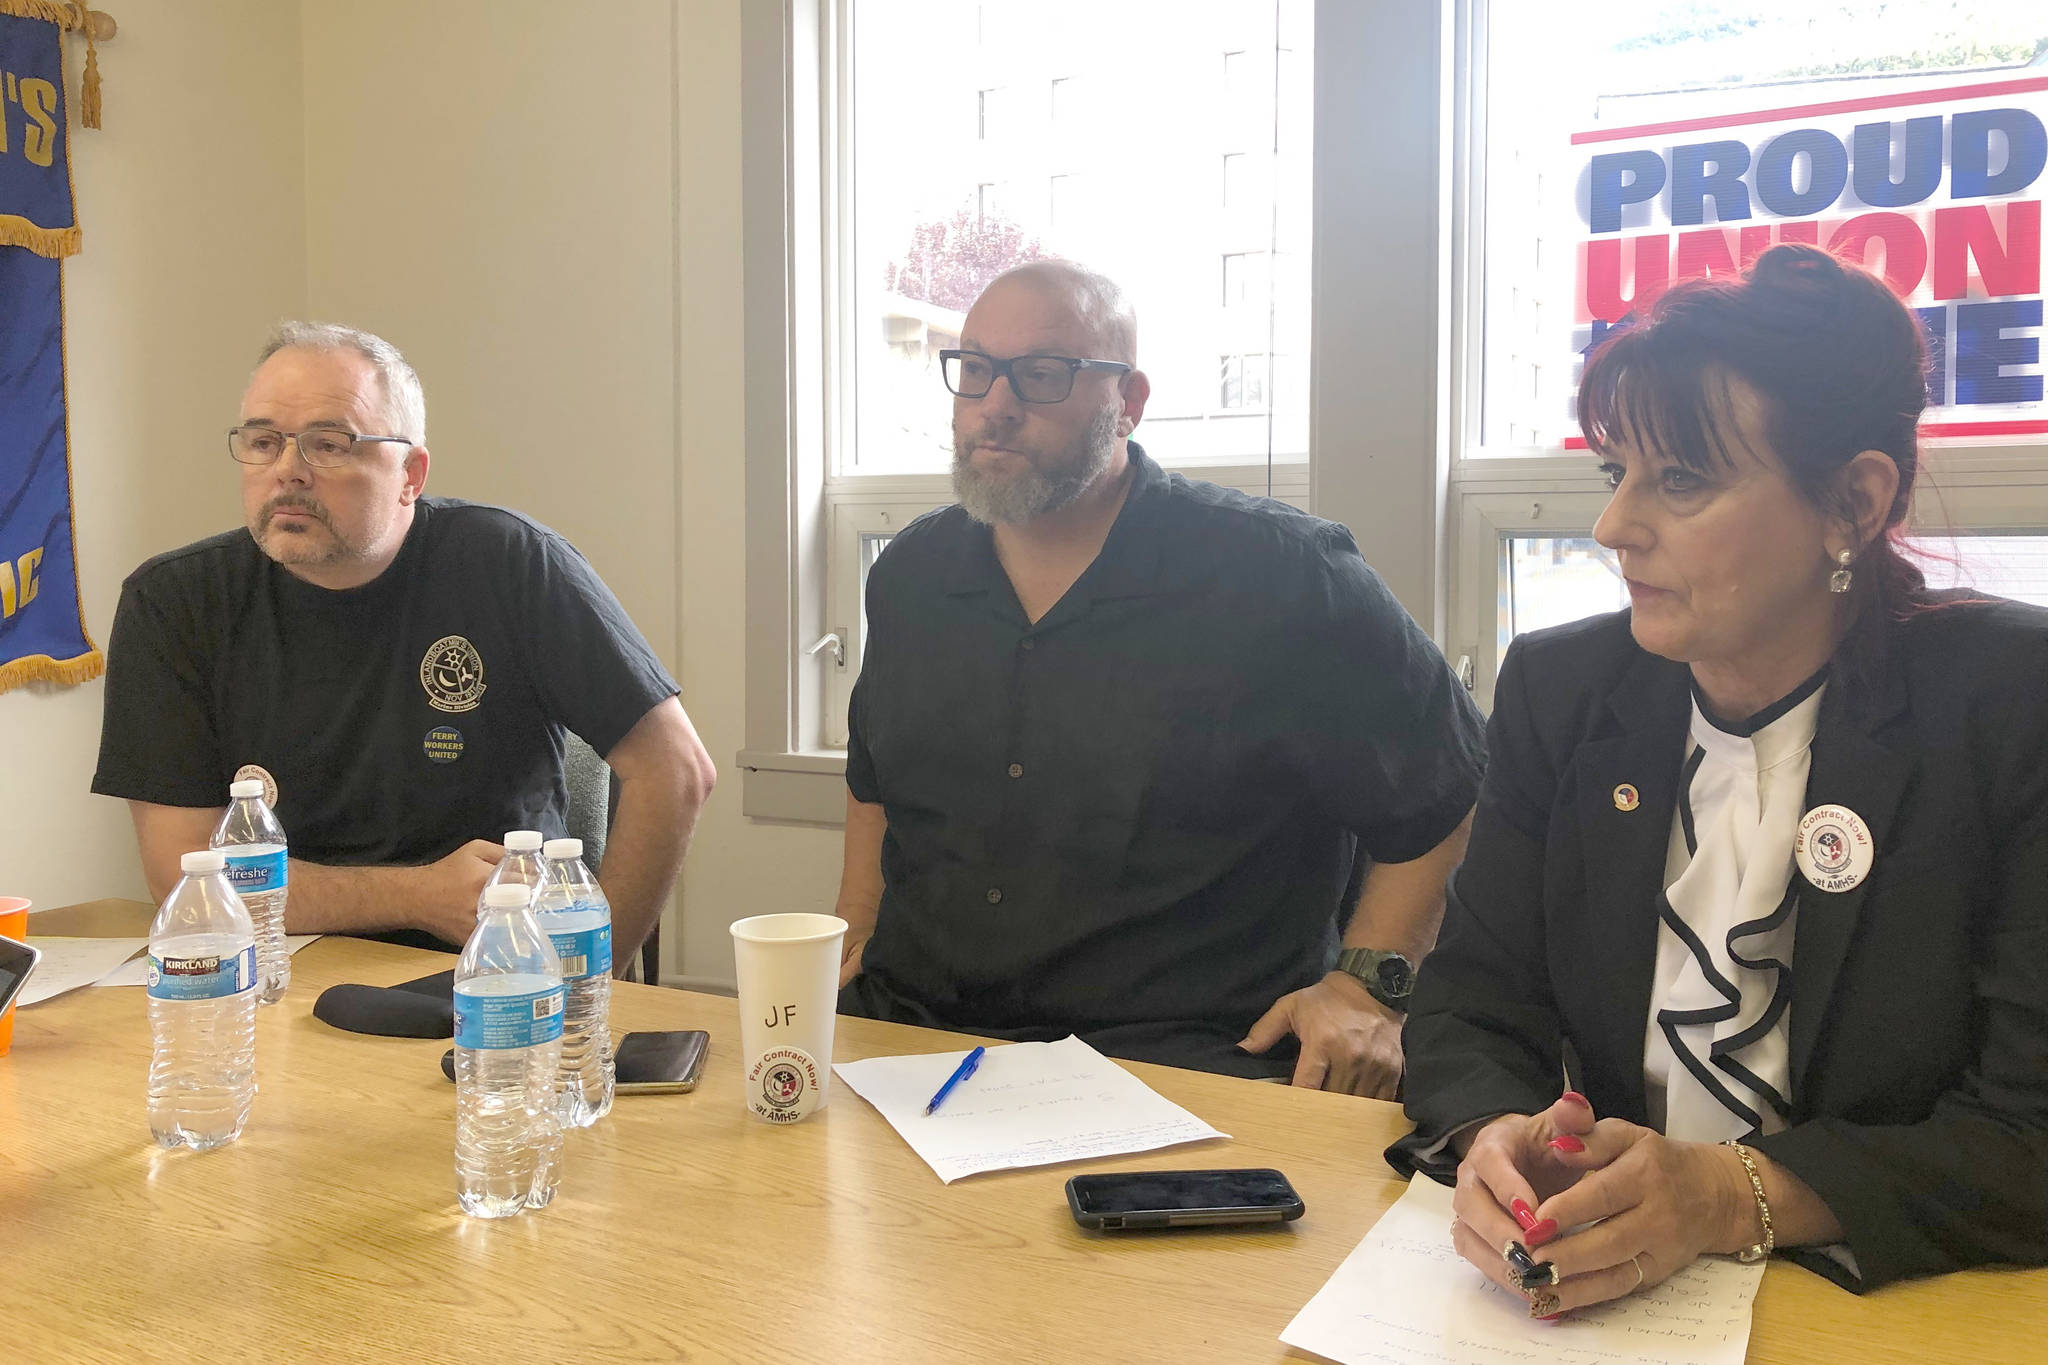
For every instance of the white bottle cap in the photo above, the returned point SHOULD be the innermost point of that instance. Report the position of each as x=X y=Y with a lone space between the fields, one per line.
x=204 y=863
x=507 y=896
x=522 y=841
x=248 y=786
x=562 y=848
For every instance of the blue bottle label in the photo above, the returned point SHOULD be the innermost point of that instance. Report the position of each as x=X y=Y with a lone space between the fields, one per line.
x=584 y=952
x=258 y=873
x=501 y=1021
x=202 y=978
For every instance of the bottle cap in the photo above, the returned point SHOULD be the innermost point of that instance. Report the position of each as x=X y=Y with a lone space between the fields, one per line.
x=562 y=848
x=522 y=841
x=248 y=786
x=203 y=863
x=507 y=896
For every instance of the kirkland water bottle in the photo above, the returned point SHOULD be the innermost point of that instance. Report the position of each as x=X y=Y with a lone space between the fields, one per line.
x=521 y=865
x=202 y=1010
x=508 y=1042
x=257 y=869
x=574 y=913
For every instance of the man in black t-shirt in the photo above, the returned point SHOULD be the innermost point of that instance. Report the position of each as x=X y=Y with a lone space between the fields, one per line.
x=1121 y=740
x=398 y=670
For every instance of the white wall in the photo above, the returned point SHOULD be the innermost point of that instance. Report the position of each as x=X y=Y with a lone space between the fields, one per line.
x=543 y=211
x=191 y=200
x=549 y=227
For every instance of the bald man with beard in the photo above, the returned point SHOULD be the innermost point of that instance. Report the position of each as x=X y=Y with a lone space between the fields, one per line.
x=1133 y=756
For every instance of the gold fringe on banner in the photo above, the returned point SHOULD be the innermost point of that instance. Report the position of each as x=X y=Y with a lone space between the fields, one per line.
x=75 y=17
x=44 y=669
x=51 y=242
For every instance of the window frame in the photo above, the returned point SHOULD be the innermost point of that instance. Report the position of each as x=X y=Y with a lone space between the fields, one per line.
x=1381 y=95
x=1989 y=485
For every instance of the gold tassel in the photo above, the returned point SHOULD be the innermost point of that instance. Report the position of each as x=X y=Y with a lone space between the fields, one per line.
x=54 y=243
x=42 y=668
x=62 y=13
x=89 y=87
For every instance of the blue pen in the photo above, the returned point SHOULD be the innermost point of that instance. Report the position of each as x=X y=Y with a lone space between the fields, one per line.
x=960 y=1073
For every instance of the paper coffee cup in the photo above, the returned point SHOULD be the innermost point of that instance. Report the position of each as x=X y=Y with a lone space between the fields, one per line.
x=788 y=968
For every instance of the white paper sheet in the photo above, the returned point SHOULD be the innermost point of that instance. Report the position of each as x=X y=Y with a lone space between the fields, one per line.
x=69 y=963
x=1029 y=1104
x=136 y=973
x=1405 y=1297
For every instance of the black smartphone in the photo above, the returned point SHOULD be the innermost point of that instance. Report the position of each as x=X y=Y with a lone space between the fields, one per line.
x=661 y=1063
x=647 y=1063
x=1117 y=1200
x=17 y=960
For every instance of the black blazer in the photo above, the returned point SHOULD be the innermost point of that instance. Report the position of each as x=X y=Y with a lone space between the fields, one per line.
x=1919 y=1016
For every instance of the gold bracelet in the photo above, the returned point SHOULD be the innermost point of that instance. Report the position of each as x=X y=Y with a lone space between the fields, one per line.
x=1756 y=1251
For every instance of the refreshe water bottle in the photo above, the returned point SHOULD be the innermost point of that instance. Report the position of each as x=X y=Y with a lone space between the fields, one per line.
x=202 y=1009
x=521 y=865
x=258 y=870
x=574 y=913
x=508 y=1043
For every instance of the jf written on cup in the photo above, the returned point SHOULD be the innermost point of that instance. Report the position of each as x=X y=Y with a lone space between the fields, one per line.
x=788 y=969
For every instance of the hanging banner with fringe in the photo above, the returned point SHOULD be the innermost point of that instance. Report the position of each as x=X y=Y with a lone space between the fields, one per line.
x=42 y=626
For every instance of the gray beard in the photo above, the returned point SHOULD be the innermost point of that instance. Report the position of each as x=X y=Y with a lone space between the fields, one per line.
x=1036 y=492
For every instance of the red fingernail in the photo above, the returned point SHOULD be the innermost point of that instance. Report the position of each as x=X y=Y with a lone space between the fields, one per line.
x=1536 y=1233
x=1524 y=1215
x=1567 y=1143
x=1552 y=1317
x=1576 y=1098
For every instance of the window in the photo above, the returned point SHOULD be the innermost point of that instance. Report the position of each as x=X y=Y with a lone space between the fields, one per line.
x=1908 y=133
x=1245 y=278
x=1245 y=378
x=1233 y=178
x=1060 y=202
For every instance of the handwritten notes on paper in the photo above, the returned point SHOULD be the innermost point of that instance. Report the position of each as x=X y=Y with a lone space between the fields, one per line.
x=1405 y=1297
x=1030 y=1104
x=69 y=963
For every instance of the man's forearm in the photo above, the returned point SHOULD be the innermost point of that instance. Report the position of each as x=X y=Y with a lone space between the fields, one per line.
x=643 y=855
x=860 y=872
x=353 y=900
x=1401 y=906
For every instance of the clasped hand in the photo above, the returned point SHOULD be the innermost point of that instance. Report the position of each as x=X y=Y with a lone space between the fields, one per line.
x=1611 y=1206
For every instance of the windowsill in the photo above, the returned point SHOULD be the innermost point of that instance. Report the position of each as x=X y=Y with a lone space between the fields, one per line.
x=806 y=787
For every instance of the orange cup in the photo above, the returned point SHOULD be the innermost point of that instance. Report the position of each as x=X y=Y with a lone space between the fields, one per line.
x=14 y=925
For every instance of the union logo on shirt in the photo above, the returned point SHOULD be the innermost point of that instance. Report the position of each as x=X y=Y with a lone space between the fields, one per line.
x=452 y=674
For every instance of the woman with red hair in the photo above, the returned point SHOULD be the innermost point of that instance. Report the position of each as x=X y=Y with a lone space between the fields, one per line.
x=1750 y=947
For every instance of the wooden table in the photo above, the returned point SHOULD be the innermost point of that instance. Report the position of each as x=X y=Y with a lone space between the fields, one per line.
x=686 y=1229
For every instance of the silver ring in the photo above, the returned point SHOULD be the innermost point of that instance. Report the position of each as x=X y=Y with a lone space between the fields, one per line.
x=1636 y=1261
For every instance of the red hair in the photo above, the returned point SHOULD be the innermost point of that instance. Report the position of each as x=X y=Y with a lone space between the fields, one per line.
x=1839 y=362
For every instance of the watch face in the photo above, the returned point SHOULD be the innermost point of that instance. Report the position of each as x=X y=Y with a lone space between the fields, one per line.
x=1395 y=977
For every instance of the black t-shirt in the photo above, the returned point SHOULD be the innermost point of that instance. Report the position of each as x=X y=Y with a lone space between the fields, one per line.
x=398 y=720
x=1137 y=819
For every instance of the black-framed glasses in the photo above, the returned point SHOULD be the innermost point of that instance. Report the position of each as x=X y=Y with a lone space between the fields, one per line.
x=320 y=447
x=1033 y=378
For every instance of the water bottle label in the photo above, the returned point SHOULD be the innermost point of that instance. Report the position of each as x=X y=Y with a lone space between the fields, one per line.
x=585 y=952
x=498 y=1021
x=258 y=873
x=202 y=978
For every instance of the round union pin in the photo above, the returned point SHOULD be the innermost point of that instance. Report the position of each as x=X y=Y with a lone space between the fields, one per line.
x=1626 y=797
x=1833 y=848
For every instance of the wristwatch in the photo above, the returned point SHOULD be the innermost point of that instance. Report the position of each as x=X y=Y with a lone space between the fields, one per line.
x=1389 y=976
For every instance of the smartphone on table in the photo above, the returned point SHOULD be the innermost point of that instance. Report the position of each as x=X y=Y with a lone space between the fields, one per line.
x=653 y=1063
x=17 y=960
x=1118 y=1200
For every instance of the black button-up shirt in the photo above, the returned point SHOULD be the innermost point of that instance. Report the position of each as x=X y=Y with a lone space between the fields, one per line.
x=1136 y=818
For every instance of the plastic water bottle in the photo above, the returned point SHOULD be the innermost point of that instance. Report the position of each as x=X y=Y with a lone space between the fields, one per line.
x=508 y=1043
x=574 y=913
x=258 y=871
x=521 y=865
x=202 y=1010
